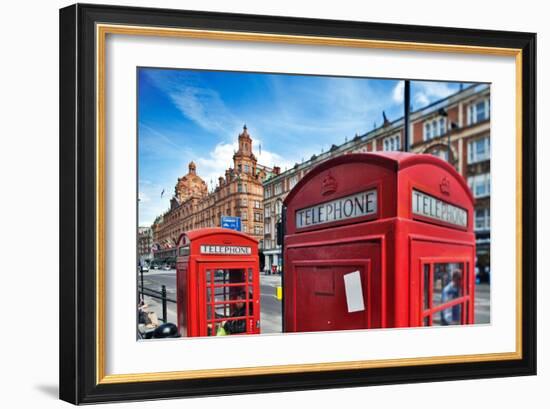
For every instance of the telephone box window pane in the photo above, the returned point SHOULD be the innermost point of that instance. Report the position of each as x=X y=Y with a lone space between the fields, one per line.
x=250 y=292
x=448 y=316
x=222 y=311
x=447 y=282
x=208 y=276
x=426 y=286
x=250 y=276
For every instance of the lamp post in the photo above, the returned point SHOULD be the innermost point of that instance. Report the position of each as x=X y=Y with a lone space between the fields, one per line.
x=442 y=112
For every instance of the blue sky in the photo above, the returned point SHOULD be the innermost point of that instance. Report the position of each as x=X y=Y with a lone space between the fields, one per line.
x=186 y=115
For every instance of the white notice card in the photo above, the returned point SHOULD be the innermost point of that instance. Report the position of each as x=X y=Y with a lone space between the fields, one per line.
x=354 y=292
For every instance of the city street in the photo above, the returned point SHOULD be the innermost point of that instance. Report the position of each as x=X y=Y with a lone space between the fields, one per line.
x=271 y=308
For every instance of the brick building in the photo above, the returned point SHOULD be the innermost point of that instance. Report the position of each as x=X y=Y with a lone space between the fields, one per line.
x=456 y=128
x=239 y=192
x=145 y=244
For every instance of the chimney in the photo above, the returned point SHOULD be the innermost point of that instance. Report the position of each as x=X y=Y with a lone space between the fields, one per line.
x=276 y=170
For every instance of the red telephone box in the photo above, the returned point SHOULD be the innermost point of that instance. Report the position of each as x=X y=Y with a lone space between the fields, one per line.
x=379 y=241
x=217 y=283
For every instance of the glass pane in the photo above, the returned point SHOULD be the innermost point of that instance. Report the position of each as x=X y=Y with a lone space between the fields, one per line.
x=426 y=286
x=208 y=278
x=447 y=282
x=222 y=311
x=448 y=316
x=250 y=276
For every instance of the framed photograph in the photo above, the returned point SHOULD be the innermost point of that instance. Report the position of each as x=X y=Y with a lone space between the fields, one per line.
x=257 y=203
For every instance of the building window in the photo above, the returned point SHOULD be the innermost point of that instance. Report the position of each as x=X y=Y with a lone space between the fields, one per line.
x=257 y=204
x=479 y=150
x=292 y=181
x=245 y=229
x=392 y=143
x=278 y=188
x=240 y=187
x=267 y=192
x=278 y=207
x=480 y=185
x=478 y=111
x=267 y=228
x=257 y=217
x=441 y=153
x=257 y=230
x=246 y=168
x=482 y=219
x=244 y=215
x=267 y=211
x=434 y=128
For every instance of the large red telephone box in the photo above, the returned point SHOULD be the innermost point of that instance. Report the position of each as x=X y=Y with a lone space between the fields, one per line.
x=379 y=241
x=217 y=283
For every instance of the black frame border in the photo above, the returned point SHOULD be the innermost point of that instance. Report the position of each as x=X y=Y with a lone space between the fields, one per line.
x=78 y=197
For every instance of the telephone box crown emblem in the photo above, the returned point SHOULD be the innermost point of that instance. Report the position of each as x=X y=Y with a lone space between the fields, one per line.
x=329 y=185
x=445 y=186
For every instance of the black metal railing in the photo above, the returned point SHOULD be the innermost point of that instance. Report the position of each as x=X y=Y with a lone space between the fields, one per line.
x=159 y=295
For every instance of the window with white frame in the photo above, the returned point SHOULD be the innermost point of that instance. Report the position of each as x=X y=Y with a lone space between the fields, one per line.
x=257 y=230
x=441 y=153
x=278 y=188
x=479 y=150
x=246 y=168
x=480 y=185
x=267 y=228
x=267 y=192
x=267 y=211
x=478 y=111
x=482 y=219
x=435 y=127
x=392 y=143
x=278 y=207
x=292 y=181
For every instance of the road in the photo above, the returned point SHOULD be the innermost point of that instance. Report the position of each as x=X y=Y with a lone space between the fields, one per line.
x=271 y=308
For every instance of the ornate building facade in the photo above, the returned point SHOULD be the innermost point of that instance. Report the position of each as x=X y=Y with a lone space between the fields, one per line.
x=239 y=192
x=456 y=128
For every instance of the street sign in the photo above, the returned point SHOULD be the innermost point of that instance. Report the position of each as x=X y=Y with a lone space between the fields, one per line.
x=230 y=222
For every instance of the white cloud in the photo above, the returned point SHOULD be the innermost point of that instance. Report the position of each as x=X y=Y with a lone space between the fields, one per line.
x=429 y=91
x=398 y=93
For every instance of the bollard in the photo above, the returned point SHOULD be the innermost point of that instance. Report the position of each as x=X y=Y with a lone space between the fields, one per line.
x=279 y=293
x=164 y=312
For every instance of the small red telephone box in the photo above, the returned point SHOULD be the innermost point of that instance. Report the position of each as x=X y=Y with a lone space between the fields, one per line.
x=217 y=283
x=379 y=241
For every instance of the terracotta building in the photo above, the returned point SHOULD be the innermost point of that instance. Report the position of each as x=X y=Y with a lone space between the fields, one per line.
x=239 y=192
x=456 y=128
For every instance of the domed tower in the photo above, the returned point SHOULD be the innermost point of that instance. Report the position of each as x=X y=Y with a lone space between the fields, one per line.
x=190 y=185
x=244 y=160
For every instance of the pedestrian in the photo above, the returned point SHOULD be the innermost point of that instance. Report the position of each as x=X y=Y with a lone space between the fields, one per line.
x=238 y=326
x=451 y=316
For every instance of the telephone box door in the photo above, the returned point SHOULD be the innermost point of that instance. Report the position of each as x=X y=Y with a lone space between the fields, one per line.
x=343 y=291
x=229 y=293
x=443 y=286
